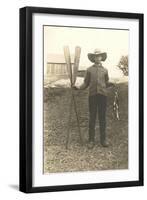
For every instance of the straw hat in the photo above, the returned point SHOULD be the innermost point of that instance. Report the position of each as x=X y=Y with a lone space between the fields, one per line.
x=97 y=52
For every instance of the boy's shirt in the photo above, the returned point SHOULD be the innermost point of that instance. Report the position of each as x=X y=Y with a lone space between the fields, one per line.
x=96 y=79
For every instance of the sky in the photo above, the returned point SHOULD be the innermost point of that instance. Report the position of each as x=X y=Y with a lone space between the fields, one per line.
x=114 y=42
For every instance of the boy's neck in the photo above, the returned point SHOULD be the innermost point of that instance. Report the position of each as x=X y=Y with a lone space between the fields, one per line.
x=98 y=64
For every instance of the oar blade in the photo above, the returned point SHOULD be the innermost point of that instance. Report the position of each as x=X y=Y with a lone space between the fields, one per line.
x=76 y=63
x=68 y=62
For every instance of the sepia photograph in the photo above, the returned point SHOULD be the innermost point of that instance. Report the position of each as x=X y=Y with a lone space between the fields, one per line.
x=85 y=99
x=81 y=99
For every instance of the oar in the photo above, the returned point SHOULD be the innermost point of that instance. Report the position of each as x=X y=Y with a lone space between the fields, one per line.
x=69 y=121
x=76 y=64
x=69 y=69
x=68 y=62
x=74 y=76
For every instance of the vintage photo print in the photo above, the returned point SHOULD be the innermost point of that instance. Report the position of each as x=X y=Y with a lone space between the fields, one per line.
x=85 y=99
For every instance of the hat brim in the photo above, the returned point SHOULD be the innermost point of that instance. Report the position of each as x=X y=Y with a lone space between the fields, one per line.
x=91 y=56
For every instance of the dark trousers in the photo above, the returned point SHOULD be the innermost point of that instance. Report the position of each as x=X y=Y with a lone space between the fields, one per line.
x=97 y=104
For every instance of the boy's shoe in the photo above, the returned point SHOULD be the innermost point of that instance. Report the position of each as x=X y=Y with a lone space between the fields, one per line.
x=90 y=145
x=104 y=144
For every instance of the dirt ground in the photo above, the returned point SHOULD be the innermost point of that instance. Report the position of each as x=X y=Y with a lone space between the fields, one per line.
x=77 y=157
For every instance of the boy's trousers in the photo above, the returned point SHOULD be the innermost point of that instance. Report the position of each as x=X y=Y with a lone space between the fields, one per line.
x=97 y=105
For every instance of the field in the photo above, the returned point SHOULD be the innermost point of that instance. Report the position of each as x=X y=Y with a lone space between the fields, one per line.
x=78 y=157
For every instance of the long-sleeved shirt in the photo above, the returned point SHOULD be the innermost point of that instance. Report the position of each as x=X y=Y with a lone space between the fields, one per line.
x=96 y=79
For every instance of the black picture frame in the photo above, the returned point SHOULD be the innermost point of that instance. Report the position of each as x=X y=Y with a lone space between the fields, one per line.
x=26 y=90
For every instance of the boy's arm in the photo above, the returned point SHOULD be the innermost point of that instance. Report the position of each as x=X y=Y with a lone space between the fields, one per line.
x=108 y=84
x=86 y=81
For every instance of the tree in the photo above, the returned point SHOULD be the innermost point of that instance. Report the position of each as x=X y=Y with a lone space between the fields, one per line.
x=123 y=65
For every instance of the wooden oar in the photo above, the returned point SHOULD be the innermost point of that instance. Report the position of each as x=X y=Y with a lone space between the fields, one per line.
x=76 y=64
x=68 y=62
x=69 y=69
x=69 y=121
x=74 y=76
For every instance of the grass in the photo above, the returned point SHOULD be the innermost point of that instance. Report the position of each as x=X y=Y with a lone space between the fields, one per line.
x=79 y=158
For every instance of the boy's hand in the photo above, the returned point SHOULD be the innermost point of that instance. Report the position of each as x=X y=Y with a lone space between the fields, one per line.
x=75 y=88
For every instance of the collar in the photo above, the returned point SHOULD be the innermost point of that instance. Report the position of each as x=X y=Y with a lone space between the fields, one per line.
x=98 y=65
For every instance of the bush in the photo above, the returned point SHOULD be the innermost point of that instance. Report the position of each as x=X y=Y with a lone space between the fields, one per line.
x=123 y=65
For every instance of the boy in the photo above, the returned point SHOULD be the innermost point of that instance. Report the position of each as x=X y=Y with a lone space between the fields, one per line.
x=96 y=79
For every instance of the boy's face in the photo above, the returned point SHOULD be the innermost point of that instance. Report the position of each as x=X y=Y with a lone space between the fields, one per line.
x=98 y=59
